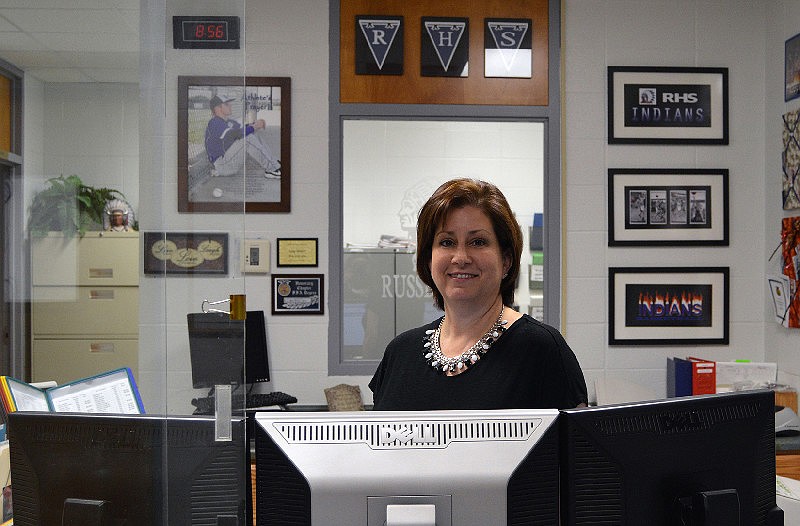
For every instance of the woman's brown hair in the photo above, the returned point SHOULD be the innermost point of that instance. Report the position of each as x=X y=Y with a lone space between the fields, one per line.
x=458 y=193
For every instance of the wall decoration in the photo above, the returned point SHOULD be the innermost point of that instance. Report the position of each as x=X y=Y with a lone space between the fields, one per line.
x=792 y=68
x=298 y=252
x=379 y=45
x=415 y=85
x=668 y=306
x=298 y=294
x=444 y=47
x=234 y=144
x=185 y=253
x=791 y=161
x=667 y=207
x=508 y=47
x=667 y=105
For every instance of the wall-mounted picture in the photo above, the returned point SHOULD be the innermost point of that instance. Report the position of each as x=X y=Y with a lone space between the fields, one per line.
x=298 y=252
x=667 y=207
x=792 y=68
x=668 y=306
x=234 y=144
x=185 y=253
x=298 y=294
x=667 y=105
x=790 y=161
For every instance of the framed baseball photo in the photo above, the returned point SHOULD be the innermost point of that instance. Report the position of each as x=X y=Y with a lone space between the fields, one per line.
x=233 y=144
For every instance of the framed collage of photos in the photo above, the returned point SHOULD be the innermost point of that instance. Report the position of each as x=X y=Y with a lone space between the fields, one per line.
x=667 y=207
x=668 y=305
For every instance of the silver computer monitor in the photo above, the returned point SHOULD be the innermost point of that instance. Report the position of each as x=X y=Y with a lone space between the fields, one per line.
x=380 y=468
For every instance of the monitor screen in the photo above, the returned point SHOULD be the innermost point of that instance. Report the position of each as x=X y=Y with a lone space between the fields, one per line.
x=94 y=470
x=215 y=348
x=699 y=460
x=379 y=467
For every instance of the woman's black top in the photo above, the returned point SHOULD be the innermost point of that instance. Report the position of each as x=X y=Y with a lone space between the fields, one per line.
x=529 y=367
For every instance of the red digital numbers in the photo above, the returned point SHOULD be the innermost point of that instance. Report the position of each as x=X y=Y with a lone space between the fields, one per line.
x=209 y=31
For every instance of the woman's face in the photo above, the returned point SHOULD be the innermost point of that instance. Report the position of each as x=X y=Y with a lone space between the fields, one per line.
x=467 y=262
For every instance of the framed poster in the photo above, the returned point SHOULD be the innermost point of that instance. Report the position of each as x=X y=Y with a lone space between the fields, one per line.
x=185 y=253
x=298 y=252
x=298 y=294
x=791 y=59
x=790 y=160
x=668 y=306
x=667 y=105
x=234 y=144
x=667 y=207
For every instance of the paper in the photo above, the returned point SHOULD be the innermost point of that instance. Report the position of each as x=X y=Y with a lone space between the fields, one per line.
x=779 y=288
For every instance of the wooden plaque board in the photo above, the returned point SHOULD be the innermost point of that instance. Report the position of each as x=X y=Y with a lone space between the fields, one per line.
x=412 y=88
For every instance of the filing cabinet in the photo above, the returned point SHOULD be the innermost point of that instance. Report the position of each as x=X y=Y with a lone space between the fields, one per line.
x=84 y=305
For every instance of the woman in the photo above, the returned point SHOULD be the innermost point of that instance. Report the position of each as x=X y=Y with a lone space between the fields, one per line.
x=481 y=354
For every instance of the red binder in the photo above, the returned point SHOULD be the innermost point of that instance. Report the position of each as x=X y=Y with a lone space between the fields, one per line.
x=704 y=376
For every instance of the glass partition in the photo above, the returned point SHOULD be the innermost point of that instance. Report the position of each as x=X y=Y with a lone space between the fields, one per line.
x=116 y=272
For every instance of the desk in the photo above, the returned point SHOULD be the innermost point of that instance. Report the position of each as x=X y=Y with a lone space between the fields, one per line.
x=787 y=457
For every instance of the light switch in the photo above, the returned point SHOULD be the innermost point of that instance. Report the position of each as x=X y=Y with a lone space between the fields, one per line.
x=255 y=255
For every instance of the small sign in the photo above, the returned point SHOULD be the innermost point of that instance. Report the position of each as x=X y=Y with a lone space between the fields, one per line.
x=298 y=294
x=205 y=32
x=185 y=253
x=298 y=252
x=379 y=45
x=444 y=47
x=508 y=47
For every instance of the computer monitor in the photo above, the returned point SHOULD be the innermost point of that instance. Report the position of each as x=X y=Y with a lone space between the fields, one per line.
x=381 y=468
x=226 y=351
x=94 y=470
x=699 y=460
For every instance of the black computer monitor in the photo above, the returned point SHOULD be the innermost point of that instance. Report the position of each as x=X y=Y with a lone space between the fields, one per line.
x=216 y=345
x=698 y=460
x=94 y=470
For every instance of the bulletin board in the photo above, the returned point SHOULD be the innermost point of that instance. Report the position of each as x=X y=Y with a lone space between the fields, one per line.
x=412 y=88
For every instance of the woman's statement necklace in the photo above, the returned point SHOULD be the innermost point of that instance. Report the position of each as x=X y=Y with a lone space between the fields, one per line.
x=443 y=364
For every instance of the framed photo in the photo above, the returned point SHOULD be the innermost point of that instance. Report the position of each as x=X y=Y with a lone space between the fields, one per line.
x=298 y=252
x=298 y=294
x=667 y=105
x=668 y=306
x=792 y=68
x=667 y=207
x=185 y=253
x=234 y=144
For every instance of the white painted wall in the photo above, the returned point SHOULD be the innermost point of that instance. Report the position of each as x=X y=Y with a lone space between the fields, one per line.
x=782 y=22
x=601 y=33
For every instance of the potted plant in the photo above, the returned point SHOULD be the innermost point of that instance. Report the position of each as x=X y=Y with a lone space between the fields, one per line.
x=69 y=206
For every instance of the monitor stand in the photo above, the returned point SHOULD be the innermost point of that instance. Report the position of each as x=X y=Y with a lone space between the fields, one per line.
x=710 y=508
x=86 y=512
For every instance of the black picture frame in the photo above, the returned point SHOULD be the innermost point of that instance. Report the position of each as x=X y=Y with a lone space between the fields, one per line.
x=791 y=68
x=185 y=253
x=668 y=306
x=668 y=207
x=298 y=294
x=667 y=105
x=201 y=185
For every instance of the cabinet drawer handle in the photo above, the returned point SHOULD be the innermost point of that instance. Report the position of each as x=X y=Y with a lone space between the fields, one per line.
x=101 y=347
x=101 y=272
x=101 y=294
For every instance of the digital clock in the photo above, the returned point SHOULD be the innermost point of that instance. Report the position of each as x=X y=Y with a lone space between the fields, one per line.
x=205 y=32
